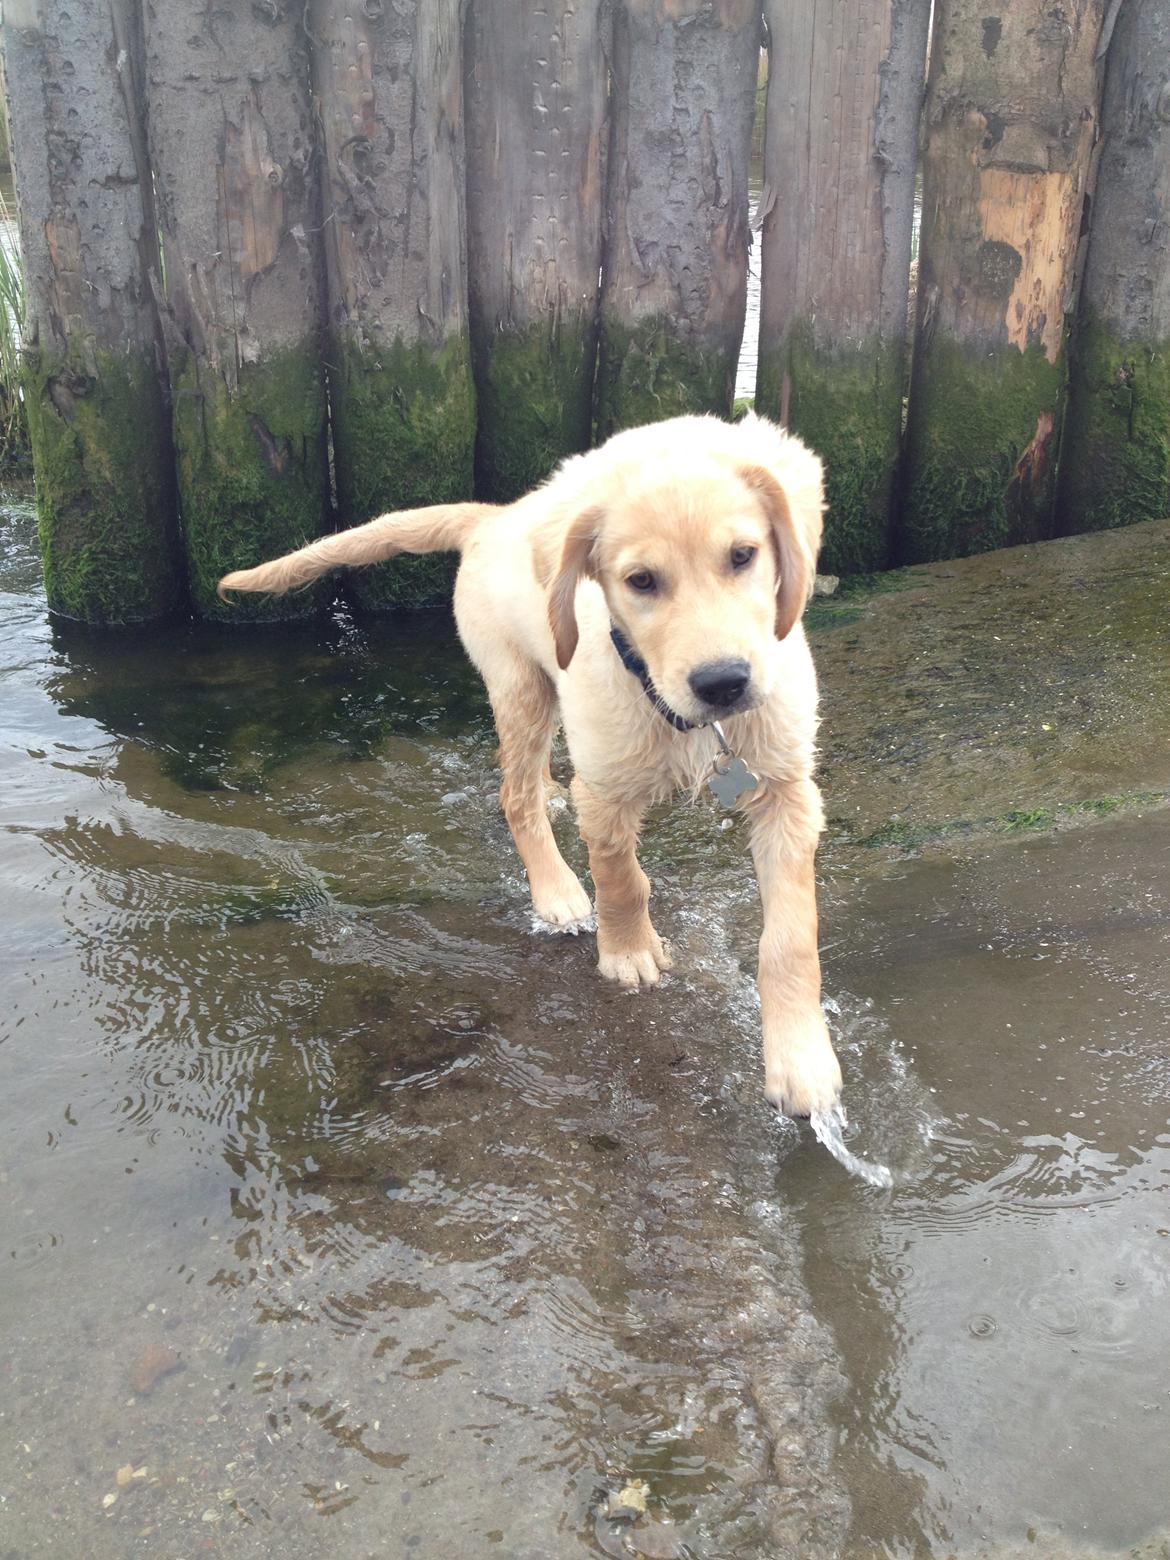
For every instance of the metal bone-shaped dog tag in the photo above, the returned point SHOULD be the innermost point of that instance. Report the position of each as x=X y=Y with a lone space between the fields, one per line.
x=729 y=784
x=732 y=777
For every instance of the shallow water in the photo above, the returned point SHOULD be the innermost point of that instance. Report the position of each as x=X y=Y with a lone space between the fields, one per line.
x=446 y=1242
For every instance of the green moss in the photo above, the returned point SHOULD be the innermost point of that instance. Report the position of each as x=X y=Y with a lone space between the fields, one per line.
x=253 y=474
x=105 y=487
x=535 y=391
x=981 y=446
x=846 y=403
x=404 y=436
x=1116 y=468
x=1025 y=820
x=646 y=373
x=860 y=587
x=903 y=834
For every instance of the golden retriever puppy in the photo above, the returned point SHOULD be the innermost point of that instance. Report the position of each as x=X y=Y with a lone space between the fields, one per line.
x=649 y=588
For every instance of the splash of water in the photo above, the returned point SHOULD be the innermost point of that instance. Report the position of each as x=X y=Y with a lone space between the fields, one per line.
x=829 y=1127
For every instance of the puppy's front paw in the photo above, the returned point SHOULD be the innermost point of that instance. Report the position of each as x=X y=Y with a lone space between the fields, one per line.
x=801 y=1070
x=562 y=904
x=635 y=966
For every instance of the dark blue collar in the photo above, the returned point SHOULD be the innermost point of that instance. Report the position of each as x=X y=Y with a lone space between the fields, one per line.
x=634 y=663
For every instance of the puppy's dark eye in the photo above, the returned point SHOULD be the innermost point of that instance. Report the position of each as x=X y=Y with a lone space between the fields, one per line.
x=742 y=556
x=642 y=581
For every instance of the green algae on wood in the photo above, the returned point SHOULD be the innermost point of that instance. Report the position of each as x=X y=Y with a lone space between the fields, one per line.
x=402 y=400
x=534 y=388
x=104 y=487
x=536 y=95
x=645 y=373
x=93 y=393
x=1116 y=467
x=981 y=441
x=1010 y=123
x=846 y=403
x=404 y=437
x=233 y=147
x=674 y=289
x=834 y=283
x=252 y=468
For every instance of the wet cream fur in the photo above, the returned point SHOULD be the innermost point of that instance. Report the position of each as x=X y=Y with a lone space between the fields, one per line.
x=539 y=584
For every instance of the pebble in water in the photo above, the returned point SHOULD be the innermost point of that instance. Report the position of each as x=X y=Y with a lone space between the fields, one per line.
x=829 y=1127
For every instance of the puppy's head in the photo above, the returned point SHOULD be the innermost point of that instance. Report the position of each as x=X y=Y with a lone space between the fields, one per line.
x=704 y=565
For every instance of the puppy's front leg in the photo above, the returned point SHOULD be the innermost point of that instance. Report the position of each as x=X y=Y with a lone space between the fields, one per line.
x=629 y=949
x=801 y=1071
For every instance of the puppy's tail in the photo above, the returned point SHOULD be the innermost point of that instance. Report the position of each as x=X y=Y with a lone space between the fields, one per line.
x=439 y=528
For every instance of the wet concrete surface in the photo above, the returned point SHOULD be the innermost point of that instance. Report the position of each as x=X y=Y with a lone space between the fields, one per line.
x=447 y=1242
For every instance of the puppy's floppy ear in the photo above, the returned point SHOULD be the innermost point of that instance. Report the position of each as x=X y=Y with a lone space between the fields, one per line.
x=576 y=561
x=795 y=512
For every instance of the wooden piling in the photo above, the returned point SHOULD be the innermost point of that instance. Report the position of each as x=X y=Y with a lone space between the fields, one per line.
x=845 y=92
x=93 y=387
x=232 y=141
x=389 y=86
x=1116 y=462
x=536 y=102
x=675 y=286
x=1011 y=118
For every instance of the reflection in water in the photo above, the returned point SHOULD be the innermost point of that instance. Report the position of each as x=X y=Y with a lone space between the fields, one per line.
x=1001 y=1319
x=364 y=1221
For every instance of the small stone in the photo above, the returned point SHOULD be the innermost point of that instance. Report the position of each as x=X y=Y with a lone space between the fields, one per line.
x=210 y=1515
x=124 y=1475
x=153 y=1363
x=629 y=1502
x=109 y=1500
x=825 y=584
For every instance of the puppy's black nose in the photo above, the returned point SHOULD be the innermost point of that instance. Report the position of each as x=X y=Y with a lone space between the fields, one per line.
x=720 y=683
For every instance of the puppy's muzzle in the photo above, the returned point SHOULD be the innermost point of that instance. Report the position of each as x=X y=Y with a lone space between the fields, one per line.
x=721 y=685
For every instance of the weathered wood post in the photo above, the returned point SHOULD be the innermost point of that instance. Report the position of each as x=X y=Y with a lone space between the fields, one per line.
x=845 y=90
x=1116 y=462
x=536 y=96
x=1010 y=123
x=389 y=85
x=232 y=142
x=93 y=388
x=675 y=287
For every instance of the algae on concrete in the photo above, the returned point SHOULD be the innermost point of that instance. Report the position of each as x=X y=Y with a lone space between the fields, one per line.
x=846 y=403
x=646 y=373
x=1116 y=466
x=253 y=474
x=981 y=443
x=973 y=699
x=403 y=437
x=105 y=486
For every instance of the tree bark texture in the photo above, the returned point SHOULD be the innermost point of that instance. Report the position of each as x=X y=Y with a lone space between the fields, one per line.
x=845 y=90
x=1116 y=464
x=536 y=103
x=389 y=85
x=93 y=384
x=675 y=286
x=1011 y=119
x=232 y=141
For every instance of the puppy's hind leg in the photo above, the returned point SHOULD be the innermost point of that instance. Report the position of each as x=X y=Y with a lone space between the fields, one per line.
x=524 y=703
